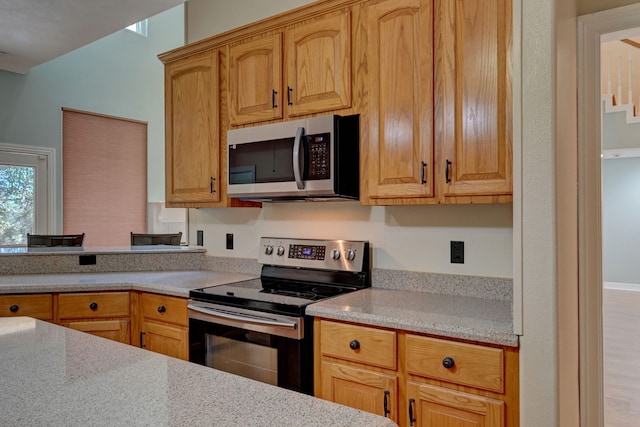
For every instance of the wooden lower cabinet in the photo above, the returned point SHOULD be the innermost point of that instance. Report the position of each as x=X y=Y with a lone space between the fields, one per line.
x=164 y=325
x=116 y=329
x=104 y=314
x=429 y=382
x=430 y=405
x=164 y=338
x=39 y=306
x=364 y=389
x=159 y=323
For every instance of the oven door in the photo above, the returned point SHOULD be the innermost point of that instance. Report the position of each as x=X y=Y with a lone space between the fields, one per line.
x=266 y=347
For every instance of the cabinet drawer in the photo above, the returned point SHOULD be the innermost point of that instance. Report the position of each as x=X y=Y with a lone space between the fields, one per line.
x=473 y=365
x=370 y=346
x=93 y=304
x=164 y=308
x=38 y=306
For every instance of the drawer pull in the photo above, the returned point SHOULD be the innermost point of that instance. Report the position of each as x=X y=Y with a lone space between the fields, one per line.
x=93 y=306
x=354 y=345
x=162 y=309
x=14 y=308
x=448 y=362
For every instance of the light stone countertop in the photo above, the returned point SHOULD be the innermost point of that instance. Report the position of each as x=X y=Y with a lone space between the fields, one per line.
x=93 y=250
x=175 y=283
x=476 y=319
x=55 y=376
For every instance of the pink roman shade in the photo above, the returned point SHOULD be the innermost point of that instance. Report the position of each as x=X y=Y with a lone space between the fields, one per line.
x=104 y=164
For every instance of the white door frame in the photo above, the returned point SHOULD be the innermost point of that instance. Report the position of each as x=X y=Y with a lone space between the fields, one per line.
x=590 y=282
x=49 y=155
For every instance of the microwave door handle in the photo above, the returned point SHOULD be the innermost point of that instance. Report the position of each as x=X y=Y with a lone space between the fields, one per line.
x=297 y=154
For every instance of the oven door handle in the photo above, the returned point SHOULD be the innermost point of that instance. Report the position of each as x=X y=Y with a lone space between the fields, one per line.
x=256 y=320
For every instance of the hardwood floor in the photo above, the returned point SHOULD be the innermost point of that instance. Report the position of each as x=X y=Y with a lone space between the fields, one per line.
x=621 y=314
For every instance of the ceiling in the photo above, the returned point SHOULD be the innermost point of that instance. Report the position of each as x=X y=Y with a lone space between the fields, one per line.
x=35 y=31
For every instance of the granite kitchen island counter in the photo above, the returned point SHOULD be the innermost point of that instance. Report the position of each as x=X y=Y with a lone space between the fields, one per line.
x=52 y=375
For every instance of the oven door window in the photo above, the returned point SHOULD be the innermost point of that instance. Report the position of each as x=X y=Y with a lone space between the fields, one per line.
x=256 y=355
x=245 y=353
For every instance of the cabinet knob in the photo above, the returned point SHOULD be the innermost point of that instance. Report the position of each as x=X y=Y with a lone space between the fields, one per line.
x=354 y=345
x=14 y=308
x=93 y=306
x=448 y=362
x=162 y=309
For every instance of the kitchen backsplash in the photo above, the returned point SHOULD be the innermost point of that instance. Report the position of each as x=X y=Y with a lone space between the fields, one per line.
x=494 y=288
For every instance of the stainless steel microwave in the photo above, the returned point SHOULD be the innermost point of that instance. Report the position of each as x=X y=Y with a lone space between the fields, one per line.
x=314 y=158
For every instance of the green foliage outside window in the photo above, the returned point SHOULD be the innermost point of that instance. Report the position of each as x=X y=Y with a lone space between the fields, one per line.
x=17 y=204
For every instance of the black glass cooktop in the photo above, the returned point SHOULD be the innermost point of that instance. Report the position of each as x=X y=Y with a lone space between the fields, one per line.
x=269 y=295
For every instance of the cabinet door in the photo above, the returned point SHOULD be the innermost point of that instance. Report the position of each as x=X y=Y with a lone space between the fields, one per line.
x=358 y=388
x=255 y=80
x=116 y=330
x=192 y=129
x=436 y=406
x=318 y=57
x=163 y=338
x=400 y=146
x=473 y=97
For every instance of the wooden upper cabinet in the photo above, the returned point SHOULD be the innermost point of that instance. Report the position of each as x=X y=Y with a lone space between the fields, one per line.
x=399 y=151
x=255 y=80
x=192 y=143
x=473 y=96
x=318 y=70
x=316 y=78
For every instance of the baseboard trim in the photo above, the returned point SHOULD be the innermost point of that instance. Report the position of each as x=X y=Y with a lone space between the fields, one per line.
x=622 y=286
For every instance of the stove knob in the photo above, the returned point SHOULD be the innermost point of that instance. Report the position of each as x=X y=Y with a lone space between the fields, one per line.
x=280 y=250
x=268 y=250
x=350 y=255
x=335 y=254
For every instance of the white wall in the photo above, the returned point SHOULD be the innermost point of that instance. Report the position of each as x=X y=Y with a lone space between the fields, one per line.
x=119 y=75
x=617 y=133
x=620 y=213
x=412 y=238
x=539 y=343
x=206 y=18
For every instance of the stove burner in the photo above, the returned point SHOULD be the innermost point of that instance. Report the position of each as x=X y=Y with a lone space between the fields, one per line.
x=292 y=293
x=310 y=291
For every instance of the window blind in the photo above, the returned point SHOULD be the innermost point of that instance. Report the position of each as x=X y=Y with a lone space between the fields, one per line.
x=104 y=177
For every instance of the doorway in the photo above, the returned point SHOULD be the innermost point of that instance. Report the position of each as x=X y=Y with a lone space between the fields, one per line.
x=590 y=240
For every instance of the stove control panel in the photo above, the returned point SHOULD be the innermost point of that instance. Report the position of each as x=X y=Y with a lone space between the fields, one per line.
x=343 y=255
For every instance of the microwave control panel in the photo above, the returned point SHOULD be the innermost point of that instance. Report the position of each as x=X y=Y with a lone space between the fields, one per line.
x=319 y=163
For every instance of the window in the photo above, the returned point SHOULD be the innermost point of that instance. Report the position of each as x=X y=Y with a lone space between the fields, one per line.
x=27 y=192
x=139 y=27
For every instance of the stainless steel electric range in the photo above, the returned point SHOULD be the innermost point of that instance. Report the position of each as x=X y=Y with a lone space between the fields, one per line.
x=258 y=328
